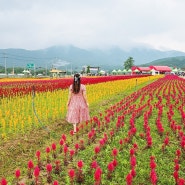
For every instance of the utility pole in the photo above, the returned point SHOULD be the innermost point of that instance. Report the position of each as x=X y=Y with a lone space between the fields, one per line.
x=5 y=57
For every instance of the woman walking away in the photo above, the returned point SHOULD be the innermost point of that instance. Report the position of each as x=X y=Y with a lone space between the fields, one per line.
x=77 y=105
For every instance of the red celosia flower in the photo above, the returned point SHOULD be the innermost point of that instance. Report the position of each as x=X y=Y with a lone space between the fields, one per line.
x=55 y=182
x=110 y=167
x=152 y=164
x=166 y=141
x=17 y=173
x=135 y=146
x=76 y=146
x=181 y=181
x=97 y=149
x=152 y=157
x=61 y=142
x=133 y=172
x=176 y=168
x=132 y=151
x=129 y=179
x=53 y=146
x=3 y=181
x=153 y=177
x=97 y=174
x=63 y=137
x=80 y=164
x=178 y=153
x=65 y=149
x=114 y=162
x=102 y=142
x=49 y=168
x=90 y=135
x=36 y=171
x=71 y=132
x=71 y=173
x=114 y=152
x=30 y=164
x=133 y=161
x=94 y=164
x=176 y=175
x=121 y=141
x=72 y=152
x=38 y=154
x=47 y=149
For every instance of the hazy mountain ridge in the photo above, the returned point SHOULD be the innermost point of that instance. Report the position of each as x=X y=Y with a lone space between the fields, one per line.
x=178 y=62
x=66 y=56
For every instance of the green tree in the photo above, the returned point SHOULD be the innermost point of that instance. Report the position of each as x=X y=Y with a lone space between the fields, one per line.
x=129 y=63
x=88 y=69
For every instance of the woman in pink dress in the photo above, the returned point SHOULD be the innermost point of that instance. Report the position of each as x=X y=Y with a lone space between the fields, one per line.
x=77 y=105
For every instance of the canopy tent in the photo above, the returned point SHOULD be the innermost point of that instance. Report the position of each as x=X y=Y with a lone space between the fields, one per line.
x=114 y=72
x=175 y=70
x=119 y=71
x=102 y=72
x=136 y=71
x=124 y=71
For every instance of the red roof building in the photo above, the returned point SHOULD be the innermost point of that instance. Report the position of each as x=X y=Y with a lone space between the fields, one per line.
x=140 y=69
x=161 y=69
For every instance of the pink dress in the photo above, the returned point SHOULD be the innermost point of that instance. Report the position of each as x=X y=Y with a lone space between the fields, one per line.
x=78 y=110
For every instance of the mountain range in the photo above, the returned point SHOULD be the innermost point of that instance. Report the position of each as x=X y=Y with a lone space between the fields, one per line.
x=62 y=57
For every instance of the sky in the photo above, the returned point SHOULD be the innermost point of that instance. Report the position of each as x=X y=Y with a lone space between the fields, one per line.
x=101 y=24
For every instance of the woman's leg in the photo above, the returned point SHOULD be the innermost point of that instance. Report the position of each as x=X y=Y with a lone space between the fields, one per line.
x=74 y=127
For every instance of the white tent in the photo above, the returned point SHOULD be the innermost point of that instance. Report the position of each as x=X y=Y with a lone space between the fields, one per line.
x=114 y=72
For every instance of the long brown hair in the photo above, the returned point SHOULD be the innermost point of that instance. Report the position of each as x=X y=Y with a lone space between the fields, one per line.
x=76 y=84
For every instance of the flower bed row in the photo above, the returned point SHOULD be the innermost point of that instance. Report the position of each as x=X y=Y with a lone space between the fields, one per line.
x=139 y=140
x=13 y=88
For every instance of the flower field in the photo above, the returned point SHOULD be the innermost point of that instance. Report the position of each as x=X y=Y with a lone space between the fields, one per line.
x=24 y=109
x=139 y=139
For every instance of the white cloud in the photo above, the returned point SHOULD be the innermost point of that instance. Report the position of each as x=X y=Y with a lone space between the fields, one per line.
x=92 y=23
